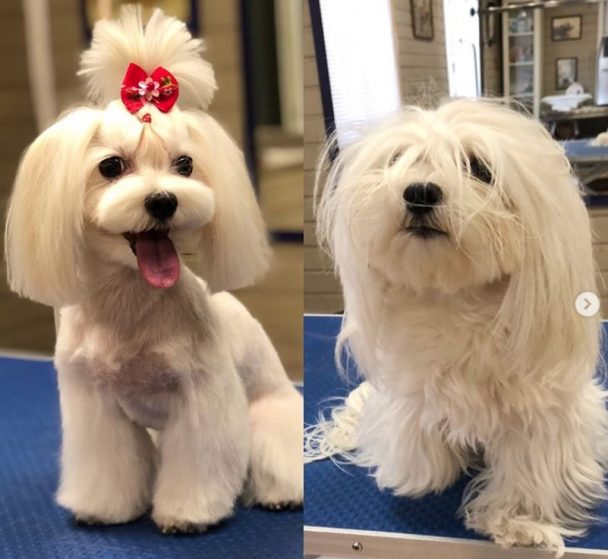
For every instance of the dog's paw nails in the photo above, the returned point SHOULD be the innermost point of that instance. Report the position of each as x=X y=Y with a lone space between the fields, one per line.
x=192 y=521
x=183 y=527
x=282 y=505
x=87 y=520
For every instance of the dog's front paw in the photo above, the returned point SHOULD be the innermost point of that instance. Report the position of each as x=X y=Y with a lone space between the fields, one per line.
x=282 y=505
x=103 y=509
x=87 y=520
x=414 y=480
x=277 y=486
x=191 y=517
x=508 y=531
x=269 y=492
x=88 y=516
x=170 y=526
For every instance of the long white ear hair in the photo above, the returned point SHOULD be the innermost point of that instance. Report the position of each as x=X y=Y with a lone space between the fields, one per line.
x=544 y=331
x=163 y=41
x=362 y=301
x=43 y=237
x=234 y=245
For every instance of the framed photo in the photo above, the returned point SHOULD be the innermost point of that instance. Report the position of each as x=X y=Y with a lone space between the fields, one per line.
x=186 y=10
x=565 y=72
x=422 y=19
x=566 y=28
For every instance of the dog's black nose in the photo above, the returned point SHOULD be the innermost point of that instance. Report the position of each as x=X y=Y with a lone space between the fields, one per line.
x=420 y=197
x=161 y=205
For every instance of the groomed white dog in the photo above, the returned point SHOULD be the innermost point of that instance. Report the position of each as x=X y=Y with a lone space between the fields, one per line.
x=104 y=202
x=461 y=242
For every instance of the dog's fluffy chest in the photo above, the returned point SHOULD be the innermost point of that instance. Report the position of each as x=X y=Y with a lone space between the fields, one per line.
x=448 y=356
x=143 y=365
x=430 y=337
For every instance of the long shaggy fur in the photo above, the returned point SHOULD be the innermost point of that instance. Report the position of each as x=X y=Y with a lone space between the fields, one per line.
x=471 y=341
x=188 y=361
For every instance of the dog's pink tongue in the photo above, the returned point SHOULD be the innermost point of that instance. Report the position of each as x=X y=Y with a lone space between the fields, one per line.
x=157 y=259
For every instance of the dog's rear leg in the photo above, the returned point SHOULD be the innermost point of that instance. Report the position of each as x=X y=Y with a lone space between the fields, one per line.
x=275 y=413
x=275 y=475
x=276 y=420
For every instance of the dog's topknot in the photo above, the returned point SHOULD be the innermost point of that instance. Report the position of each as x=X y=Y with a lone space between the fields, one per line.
x=163 y=41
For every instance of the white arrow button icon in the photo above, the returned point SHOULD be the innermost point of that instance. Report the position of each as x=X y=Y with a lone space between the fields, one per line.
x=587 y=304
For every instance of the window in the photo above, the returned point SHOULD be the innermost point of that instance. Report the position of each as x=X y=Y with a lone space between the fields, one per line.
x=361 y=63
x=462 y=46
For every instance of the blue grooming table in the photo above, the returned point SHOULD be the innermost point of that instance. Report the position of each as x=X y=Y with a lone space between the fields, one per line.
x=32 y=526
x=582 y=151
x=589 y=162
x=346 y=515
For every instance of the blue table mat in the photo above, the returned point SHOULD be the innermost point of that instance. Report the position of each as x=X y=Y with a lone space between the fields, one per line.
x=582 y=152
x=346 y=497
x=32 y=526
x=576 y=149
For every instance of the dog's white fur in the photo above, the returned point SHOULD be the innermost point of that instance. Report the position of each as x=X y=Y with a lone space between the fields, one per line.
x=185 y=361
x=471 y=342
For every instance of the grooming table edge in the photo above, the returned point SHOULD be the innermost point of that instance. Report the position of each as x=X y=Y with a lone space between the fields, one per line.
x=335 y=542
x=389 y=545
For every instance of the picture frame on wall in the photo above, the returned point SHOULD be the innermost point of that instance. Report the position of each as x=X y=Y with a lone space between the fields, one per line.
x=566 y=28
x=185 y=10
x=422 y=19
x=566 y=70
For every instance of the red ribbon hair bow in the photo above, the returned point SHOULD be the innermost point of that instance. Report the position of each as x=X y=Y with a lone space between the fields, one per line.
x=159 y=88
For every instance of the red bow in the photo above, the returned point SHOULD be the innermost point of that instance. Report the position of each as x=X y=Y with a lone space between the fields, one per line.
x=160 y=88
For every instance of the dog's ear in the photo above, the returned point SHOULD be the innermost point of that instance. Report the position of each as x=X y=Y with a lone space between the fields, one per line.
x=234 y=245
x=361 y=289
x=45 y=216
x=538 y=313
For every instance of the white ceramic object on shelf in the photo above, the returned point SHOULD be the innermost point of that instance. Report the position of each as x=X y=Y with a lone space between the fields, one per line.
x=566 y=102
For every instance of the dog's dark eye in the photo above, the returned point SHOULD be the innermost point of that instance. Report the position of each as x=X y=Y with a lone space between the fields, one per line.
x=112 y=167
x=183 y=165
x=480 y=170
x=395 y=157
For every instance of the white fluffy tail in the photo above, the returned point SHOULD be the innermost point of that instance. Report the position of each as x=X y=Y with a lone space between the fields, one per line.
x=336 y=435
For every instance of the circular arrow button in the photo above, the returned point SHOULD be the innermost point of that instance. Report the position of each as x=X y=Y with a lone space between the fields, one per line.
x=587 y=304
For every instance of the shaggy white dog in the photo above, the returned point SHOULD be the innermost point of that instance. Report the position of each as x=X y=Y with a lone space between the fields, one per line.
x=104 y=203
x=462 y=242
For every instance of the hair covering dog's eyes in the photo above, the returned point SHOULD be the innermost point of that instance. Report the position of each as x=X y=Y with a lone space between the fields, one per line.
x=112 y=167
x=395 y=157
x=183 y=165
x=480 y=170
